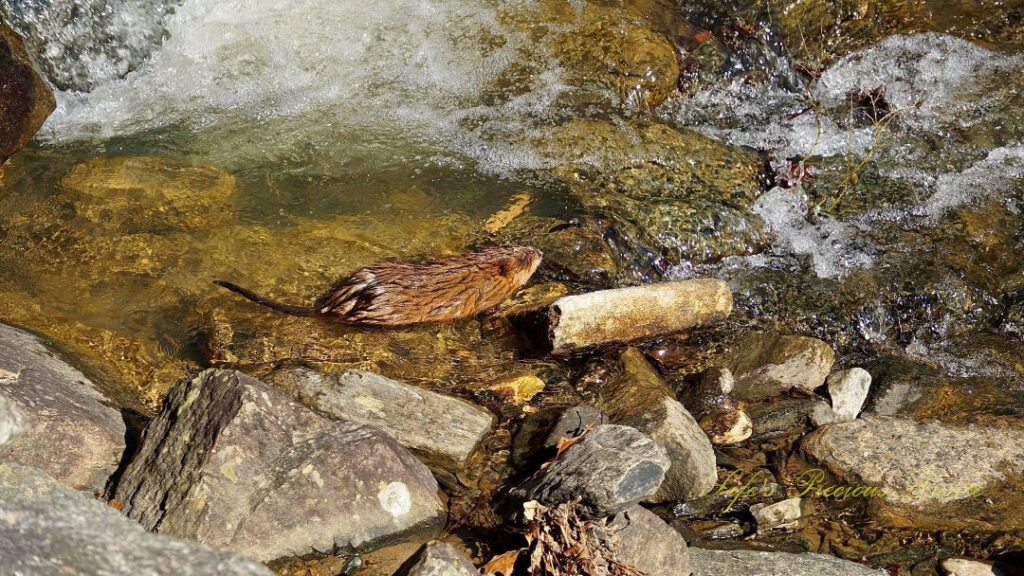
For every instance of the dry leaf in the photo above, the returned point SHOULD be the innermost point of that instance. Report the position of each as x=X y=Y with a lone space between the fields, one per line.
x=502 y=563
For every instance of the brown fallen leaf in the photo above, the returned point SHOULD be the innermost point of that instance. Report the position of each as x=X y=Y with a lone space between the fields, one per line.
x=566 y=443
x=502 y=563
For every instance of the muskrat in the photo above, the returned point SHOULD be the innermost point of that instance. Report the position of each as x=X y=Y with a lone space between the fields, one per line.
x=397 y=293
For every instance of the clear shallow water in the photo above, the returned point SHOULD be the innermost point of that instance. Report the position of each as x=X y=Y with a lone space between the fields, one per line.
x=380 y=125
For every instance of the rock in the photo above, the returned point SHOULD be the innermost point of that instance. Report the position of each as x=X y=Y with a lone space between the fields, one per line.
x=719 y=415
x=821 y=413
x=25 y=99
x=636 y=395
x=849 y=390
x=611 y=469
x=781 y=418
x=149 y=194
x=583 y=321
x=58 y=406
x=665 y=195
x=927 y=475
x=782 y=515
x=442 y=431
x=518 y=390
x=573 y=422
x=235 y=464
x=766 y=365
x=757 y=563
x=647 y=543
x=11 y=421
x=438 y=559
x=727 y=427
x=47 y=528
x=968 y=567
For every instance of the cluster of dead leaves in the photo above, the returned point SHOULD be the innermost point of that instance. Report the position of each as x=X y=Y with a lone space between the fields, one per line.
x=559 y=543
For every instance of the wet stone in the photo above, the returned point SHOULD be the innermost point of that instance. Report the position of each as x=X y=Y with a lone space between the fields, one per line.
x=25 y=98
x=647 y=543
x=636 y=395
x=778 y=516
x=438 y=559
x=442 y=431
x=574 y=422
x=767 y=364
x=53 y=404
x=46 y=528
x=235 y=464
x=612 y=468
x=757 y=563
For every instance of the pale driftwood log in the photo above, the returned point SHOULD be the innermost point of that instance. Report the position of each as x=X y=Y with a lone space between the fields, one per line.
x=636 y=313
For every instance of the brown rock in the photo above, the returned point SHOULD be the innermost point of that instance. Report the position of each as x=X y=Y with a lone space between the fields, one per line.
x=25 y=98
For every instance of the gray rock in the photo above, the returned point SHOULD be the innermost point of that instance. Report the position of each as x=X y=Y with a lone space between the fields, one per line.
x=766 y=364
x=11 y=421
x=612 y=468
x=778 y=516
x=968 y=567
x=442 y=431
x=849 y=390
x=927 y=473
x=235 y=464
x=645 y=542
x=757 y=563
x=47 y=528
x=637 y=396
x=58 y=406
x=573 y=422
x=438 y=559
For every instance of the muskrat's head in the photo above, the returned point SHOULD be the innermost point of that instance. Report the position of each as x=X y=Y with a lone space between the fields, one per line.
x=527 y=258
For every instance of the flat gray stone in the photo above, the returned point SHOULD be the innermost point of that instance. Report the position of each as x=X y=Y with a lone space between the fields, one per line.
x=58 y=407
x=946 y=475
x=47 y=528
x=848 y=389
x=438 y=559
x=767 y=364
x=611 y=469
x=636 y=395
x=756 y=563
x=645 y=542
x=235 y=464
x=442 y=431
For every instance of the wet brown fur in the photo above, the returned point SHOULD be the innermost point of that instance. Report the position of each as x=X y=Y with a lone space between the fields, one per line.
x=396 y=293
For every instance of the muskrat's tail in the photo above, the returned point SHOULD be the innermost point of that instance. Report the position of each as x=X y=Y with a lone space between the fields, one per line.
x=286 y=308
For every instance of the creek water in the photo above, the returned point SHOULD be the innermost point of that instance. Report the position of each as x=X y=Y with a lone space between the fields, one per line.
x=291 y=142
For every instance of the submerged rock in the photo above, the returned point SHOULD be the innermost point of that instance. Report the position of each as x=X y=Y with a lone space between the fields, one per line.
x=25 y=98
x=235 y=464
x=667 y=195
x=438 y=559
x=928 y=475
x=720 y=417
x=767 y=365
x=46 y=528
x=757 y=563
x=645 y=542
x=55 y=405
x=610 y=469
x=442 y=431
x=586 y=320
x=149 y=194
x=634 y=394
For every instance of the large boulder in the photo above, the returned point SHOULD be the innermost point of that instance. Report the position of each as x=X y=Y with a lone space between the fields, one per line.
x=47 y=528
x=442 y=431
x=51 y=404
x=25 y=98
x=925 y=475
x=235 y=464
